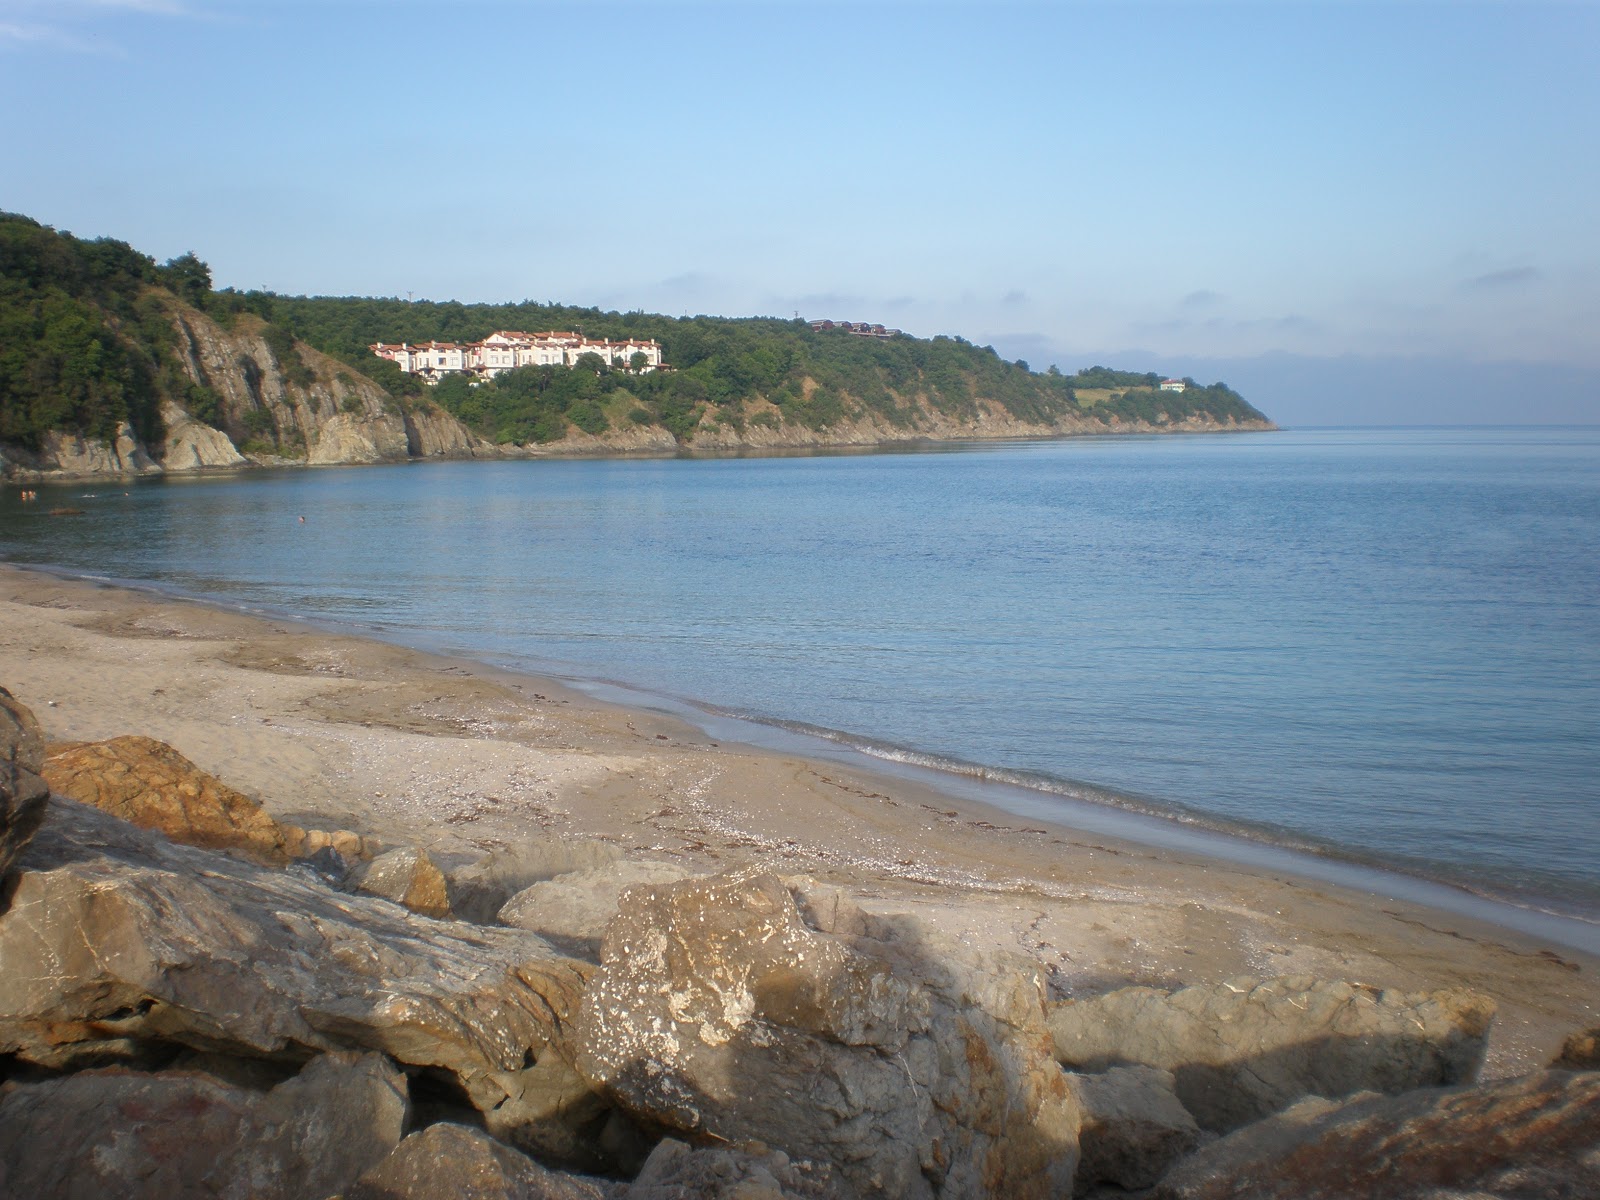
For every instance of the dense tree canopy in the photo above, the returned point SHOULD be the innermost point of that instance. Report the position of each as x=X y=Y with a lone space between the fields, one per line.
x=86 y=341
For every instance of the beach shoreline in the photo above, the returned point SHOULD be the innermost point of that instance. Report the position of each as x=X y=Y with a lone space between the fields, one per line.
x=328 y=729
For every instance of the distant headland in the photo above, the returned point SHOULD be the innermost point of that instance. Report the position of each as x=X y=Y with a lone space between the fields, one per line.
x=113 y=364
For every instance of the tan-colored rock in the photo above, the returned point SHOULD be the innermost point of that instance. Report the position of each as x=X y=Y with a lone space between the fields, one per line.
x=572 y=911
x=176 y=1135
x=118 y=940
x=909 y=1067
x=454 y=1162
x=407 y=876
x=1580 y=1052
x=1133 y=1127
x=1245 y=1048
x=1533 y=1138
x=150 y=784
x=22 y=790
x=480 y=890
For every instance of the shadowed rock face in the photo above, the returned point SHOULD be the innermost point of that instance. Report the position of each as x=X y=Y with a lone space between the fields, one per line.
x=117 y=940
x=1133 y=1128
x=907 y=1068
x=1243 y=1049
x=1580 y=1052
x=22 y=792
x=676 y=1172
x=179 y=1134
x=1534 y=1138
x=449 y=1162
x=150 y=784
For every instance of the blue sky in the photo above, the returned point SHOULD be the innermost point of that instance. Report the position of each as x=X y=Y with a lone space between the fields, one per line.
x=1266 y=189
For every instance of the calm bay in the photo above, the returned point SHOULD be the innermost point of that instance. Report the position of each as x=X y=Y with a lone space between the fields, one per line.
x=1379 y=645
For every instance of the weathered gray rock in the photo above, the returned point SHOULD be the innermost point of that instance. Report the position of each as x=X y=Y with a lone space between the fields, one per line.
x=180 y=1134
x=194 y=446
x=453 y=1162
x=1534 y=1138
x=572 y=911
x=409 y=877
x=117 y=939
x=910 y=1068
x=22 y=791
x=480 y=890
x=431 y=432
x=150 y=784
x=1133 y=1127
x=1245 y=1048
x=71 y=455
x=674 y=1171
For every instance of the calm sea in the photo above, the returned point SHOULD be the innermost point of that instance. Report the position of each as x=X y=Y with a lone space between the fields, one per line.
x=1382 y=645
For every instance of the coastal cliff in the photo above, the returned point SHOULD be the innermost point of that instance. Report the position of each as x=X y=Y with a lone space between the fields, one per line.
x=263 y=407
x=113 y=365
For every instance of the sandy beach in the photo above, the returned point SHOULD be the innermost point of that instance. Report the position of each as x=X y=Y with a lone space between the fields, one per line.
x=407 y=748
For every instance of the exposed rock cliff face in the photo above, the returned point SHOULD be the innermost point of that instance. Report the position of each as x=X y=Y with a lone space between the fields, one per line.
x=312 y=410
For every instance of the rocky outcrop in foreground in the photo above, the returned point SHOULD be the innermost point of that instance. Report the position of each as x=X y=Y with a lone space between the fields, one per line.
x=1243 y=1049
x=182 y=1021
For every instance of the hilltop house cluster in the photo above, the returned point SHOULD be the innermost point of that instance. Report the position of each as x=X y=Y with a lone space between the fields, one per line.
x=859 y=328
x=508 y=349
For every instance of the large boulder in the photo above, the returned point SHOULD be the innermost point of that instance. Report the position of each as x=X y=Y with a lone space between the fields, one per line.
x=1534 y=1138
x=1245 y=1048
x=150 y=784
x=910 y=1068
x=22 y=791
x=454 y=1162
x=180 y=1134
x=572 y=911
x=1133 y=1127
x=118 y=941
x=409 y=877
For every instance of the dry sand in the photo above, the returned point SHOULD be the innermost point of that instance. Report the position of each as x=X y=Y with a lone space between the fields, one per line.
x=331 y=731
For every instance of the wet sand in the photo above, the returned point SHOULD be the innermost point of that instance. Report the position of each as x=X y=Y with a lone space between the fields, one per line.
x=333 y=731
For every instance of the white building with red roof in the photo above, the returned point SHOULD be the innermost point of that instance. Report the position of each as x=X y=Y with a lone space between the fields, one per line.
x=507 y=349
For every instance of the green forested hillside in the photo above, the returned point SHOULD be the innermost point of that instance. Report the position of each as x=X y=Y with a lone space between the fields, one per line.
x=86 y=341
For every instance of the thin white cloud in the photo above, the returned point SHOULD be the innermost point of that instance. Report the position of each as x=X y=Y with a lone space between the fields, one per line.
x=27 y=34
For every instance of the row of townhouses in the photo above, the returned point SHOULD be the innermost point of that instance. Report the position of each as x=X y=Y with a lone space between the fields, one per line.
x=508 y=349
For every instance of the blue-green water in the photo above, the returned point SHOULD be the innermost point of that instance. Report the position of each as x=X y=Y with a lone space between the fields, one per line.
x=1380 y=643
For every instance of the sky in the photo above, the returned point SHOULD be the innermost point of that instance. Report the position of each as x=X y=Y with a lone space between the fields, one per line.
x=1355 y=212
